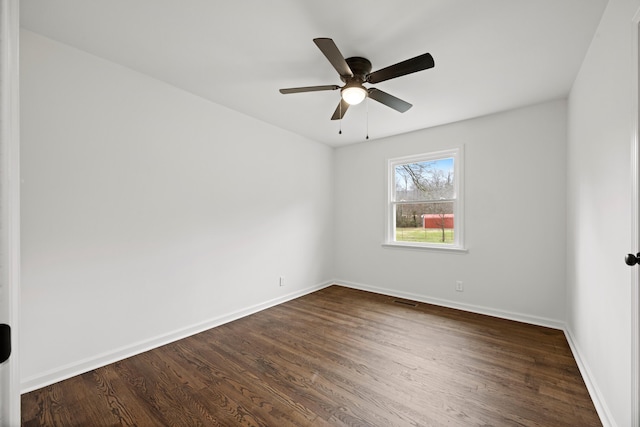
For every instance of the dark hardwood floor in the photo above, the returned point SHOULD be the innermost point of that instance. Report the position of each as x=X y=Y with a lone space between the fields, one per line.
x=337 y=357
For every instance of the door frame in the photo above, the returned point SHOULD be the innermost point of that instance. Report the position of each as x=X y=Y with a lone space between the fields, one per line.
x=10 y=201
x=635 y=222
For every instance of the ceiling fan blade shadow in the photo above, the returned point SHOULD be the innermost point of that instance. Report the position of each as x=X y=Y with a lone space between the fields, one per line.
x=331 y=51
x=389 y=100
x=413 y=65
x=341 y=109
x=308 y=89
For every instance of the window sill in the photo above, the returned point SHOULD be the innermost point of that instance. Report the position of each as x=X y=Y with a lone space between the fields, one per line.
x=405 y=245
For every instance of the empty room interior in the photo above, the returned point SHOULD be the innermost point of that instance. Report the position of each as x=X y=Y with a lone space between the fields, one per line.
x=170 y=190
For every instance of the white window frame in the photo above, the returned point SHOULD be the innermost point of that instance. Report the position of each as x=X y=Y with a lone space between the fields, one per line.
x=457 y=153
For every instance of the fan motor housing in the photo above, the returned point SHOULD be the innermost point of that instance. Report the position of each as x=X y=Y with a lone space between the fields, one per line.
x=360 y=67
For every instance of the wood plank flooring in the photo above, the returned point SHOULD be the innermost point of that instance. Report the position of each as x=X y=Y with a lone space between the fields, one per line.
x=337 y=357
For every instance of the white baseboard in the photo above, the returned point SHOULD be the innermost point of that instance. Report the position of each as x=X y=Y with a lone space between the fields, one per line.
x=596 y=396
x=81 y=366
x=519 y=317
x=78 y=367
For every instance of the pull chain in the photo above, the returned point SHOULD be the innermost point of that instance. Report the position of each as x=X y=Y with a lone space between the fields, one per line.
x=367 y=102
x=340 y=110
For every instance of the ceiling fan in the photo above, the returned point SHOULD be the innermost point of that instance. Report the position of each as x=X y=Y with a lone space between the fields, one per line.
x=355 y=71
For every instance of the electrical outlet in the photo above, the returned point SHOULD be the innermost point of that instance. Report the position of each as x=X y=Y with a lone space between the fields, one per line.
x=281 y=280
x=459 y=287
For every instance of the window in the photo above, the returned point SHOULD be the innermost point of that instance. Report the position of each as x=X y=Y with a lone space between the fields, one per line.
x=425 y=201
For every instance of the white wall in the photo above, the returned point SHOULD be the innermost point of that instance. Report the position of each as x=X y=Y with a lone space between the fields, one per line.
x=514 y=217
x=148 y=212
x=598 y=212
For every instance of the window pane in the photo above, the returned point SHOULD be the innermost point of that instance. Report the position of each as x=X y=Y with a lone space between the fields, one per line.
x=425 y=222
x=428 y=180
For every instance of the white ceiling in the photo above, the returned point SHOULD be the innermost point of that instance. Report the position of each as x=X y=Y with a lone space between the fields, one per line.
x=490 y=55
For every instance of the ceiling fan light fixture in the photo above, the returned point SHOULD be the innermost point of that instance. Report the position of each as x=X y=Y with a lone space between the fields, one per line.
x=353 y=95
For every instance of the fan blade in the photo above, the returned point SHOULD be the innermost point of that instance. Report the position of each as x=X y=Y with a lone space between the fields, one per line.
x=340 y=110
x=389 y=100
x=331 y=51
x=309 y=89
x=403 y=68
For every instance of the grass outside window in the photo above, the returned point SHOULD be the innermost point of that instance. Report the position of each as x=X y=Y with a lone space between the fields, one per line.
x=424 y=235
